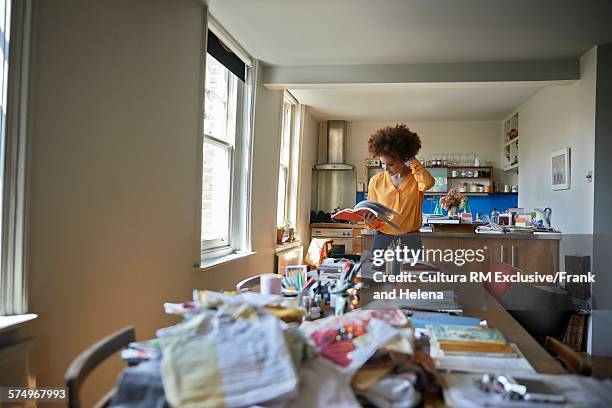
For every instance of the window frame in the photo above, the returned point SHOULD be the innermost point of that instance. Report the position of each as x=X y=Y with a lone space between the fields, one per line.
x=291 y=198
x=13 y=248
x=239 y=238
x=218 y=246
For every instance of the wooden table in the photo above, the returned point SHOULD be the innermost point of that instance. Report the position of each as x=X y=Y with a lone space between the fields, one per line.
x=477 y=302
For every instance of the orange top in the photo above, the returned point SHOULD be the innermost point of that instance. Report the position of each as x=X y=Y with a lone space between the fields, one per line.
x=406 y=200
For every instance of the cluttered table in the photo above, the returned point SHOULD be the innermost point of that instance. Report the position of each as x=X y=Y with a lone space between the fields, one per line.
x=235 y=350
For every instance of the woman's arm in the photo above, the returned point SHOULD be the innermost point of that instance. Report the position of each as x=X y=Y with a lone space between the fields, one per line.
x=421 y=175
x=372 y=222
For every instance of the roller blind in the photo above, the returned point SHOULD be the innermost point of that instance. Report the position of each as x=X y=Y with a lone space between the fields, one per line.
x=227 y=58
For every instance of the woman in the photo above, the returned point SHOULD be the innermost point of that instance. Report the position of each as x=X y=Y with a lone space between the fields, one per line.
x=399 y=187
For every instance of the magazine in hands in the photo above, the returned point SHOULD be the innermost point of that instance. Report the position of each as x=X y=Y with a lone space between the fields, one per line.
x=362 y=208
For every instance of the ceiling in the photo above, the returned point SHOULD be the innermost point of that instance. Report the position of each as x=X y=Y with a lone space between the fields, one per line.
x=334 y=32
x=417 y=102
x=358 y=32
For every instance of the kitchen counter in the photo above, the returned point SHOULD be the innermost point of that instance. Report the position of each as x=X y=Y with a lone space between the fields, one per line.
x=510 y=235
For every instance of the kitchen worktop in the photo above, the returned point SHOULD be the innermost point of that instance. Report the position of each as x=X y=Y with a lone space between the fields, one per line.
x=510 y=235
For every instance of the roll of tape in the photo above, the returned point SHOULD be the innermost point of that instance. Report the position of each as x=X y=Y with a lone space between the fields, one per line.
x=270 y=284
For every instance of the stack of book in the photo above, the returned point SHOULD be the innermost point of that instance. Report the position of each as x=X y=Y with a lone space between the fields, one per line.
x=471 y=341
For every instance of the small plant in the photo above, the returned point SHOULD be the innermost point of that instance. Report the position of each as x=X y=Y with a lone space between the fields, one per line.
x=287 y=223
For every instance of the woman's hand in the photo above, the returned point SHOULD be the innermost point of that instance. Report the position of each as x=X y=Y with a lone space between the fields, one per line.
x=369 y=218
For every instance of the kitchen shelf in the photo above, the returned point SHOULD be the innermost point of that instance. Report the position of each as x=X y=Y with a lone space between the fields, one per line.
x=468 y=177
x=510 y=147
x=438 y=193
x=445 y=181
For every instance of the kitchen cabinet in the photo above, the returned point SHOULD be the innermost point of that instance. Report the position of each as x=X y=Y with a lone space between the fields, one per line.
x=532 y=256
x=357 y=240
x=529 y=253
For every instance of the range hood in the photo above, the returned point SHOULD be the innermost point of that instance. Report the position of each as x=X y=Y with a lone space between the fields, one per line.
x=333 y=181
x=332 y=147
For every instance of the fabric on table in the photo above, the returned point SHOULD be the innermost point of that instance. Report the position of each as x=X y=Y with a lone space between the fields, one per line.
x=222 y=362
x=140 y=387
x=323 y=385
x=393 y=392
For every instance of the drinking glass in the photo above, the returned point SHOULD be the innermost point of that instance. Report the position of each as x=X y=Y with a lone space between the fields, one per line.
x=471 y=159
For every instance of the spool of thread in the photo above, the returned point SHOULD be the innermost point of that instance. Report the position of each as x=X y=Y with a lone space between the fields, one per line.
x=270 y=284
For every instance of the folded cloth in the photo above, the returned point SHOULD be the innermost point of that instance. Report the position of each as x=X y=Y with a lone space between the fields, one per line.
x=220 y=361
x=393 y=392
x=140 y=387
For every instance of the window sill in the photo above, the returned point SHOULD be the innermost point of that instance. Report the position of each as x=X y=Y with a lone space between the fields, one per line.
x=221 y=260
x=8 y=323
x=289 y=245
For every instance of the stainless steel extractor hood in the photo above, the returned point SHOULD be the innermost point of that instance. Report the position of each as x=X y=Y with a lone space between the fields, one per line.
x=334 y=181
x=332 y=147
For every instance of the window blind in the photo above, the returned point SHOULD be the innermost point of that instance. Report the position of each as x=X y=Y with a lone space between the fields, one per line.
x=222 y=54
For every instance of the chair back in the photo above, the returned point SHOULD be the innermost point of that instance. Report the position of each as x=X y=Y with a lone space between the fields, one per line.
x=574 y=361
x=92 y=357
x=248 y=283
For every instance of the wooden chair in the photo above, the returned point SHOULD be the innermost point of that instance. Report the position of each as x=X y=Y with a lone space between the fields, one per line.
x=248 y=284
x=89 y=359
x=541 y=310
x=574 y=361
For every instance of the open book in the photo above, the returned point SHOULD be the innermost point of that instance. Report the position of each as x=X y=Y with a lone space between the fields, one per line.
x=364 y=207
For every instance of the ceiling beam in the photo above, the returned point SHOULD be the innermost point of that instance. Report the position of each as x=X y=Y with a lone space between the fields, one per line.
x=282 y=77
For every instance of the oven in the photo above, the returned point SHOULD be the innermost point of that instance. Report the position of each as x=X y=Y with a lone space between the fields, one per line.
x=342 y=239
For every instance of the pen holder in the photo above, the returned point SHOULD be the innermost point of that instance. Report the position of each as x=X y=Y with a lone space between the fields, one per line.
x=292 y=299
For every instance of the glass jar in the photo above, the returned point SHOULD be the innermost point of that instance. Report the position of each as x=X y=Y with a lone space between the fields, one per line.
x=444 y=160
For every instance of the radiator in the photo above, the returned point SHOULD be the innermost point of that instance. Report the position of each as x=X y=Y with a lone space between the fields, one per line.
x=17 y=367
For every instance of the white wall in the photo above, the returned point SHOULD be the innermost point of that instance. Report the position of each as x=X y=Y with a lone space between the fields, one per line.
x=308 y=158
x=113 y=189
x=554 y=118
x=481 y=138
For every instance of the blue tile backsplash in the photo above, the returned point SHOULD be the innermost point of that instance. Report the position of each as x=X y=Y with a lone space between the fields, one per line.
x=477 y=204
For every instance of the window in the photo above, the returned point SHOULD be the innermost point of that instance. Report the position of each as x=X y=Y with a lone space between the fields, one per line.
x=220 y=107
x=14 y=41
x=225 y=209
x=286 y=213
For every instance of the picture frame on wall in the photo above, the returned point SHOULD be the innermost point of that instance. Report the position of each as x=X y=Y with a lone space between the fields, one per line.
x=560 y=169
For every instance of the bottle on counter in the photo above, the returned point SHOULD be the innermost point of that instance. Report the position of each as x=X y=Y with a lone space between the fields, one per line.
x=495 y=216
